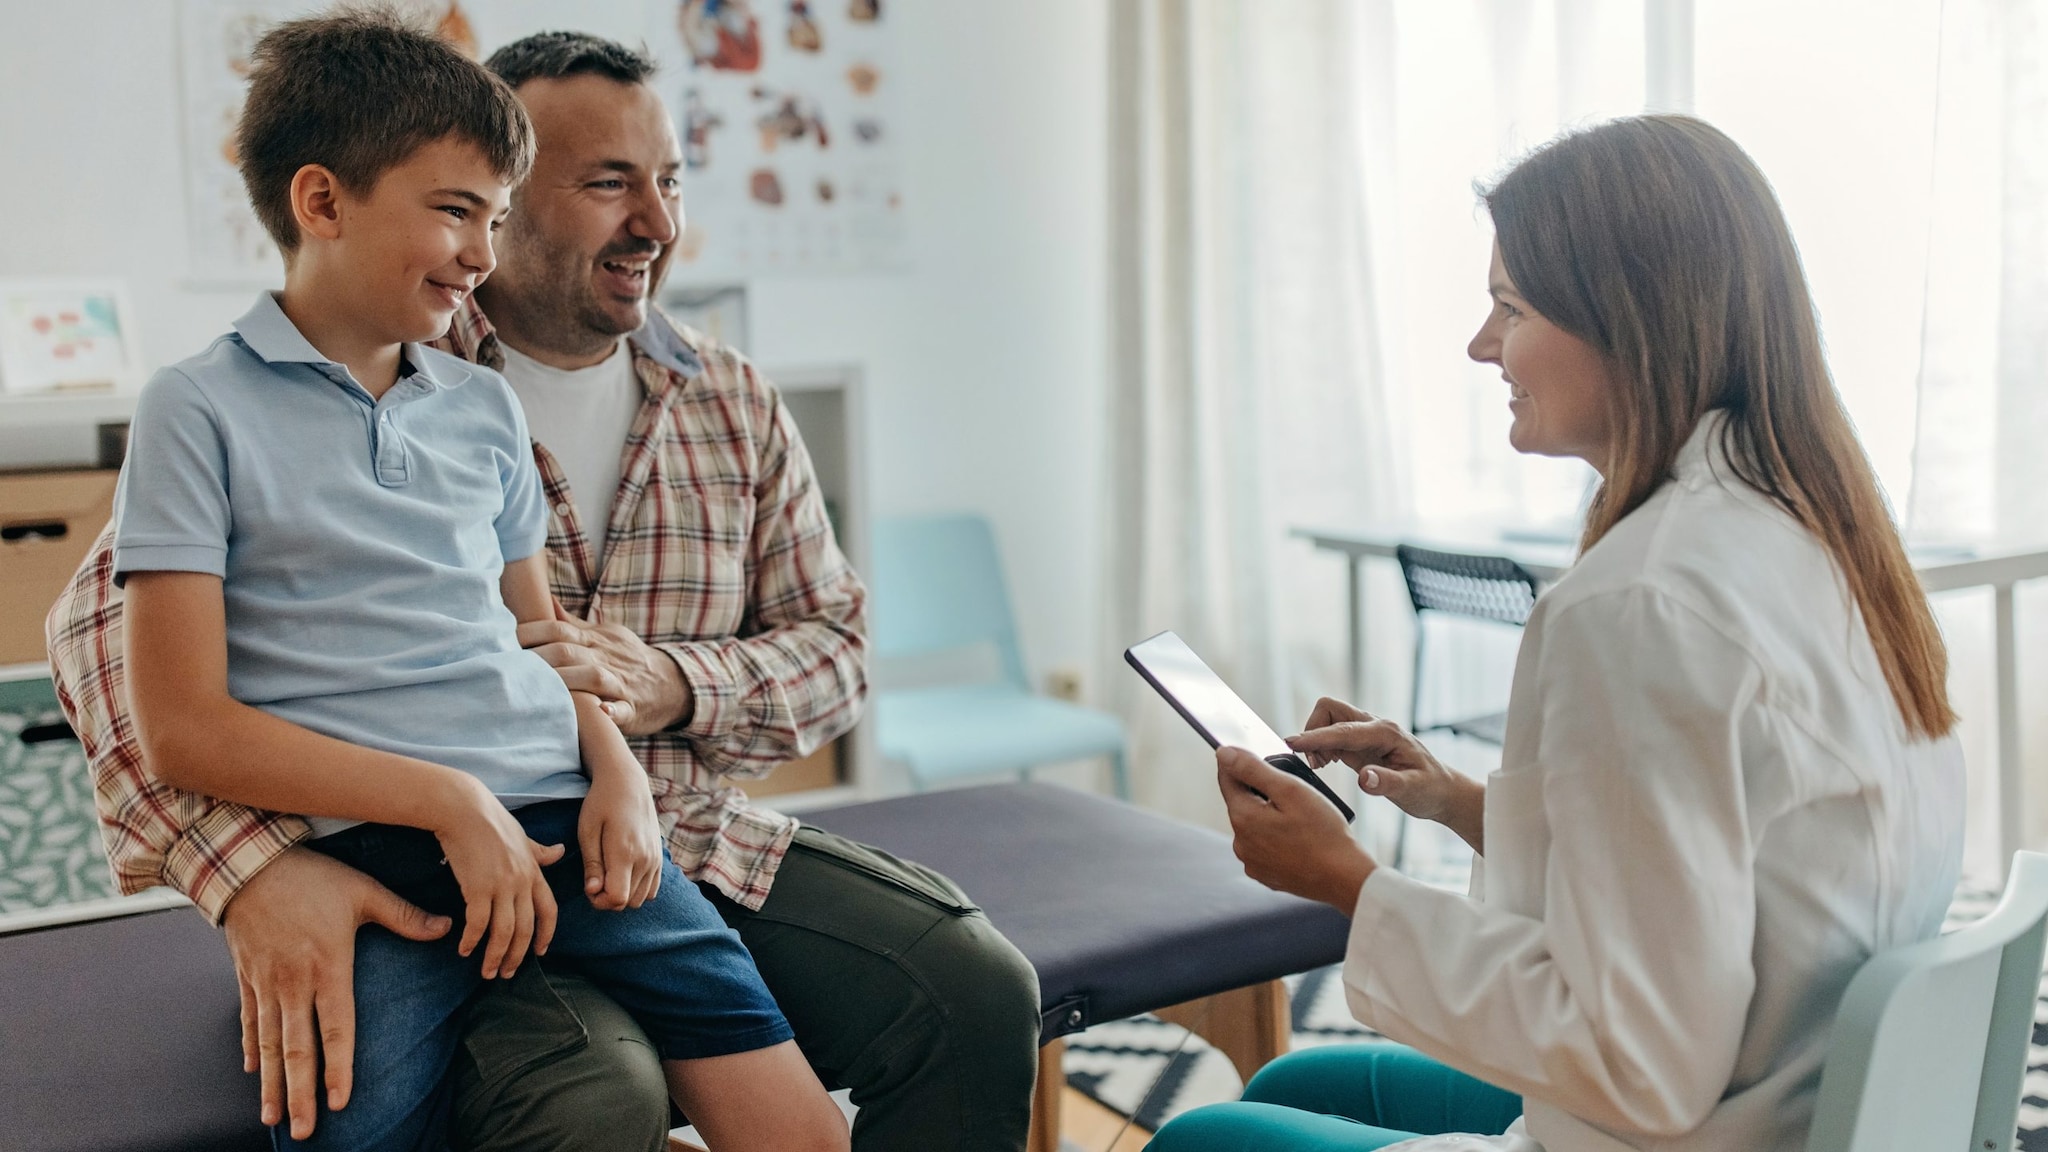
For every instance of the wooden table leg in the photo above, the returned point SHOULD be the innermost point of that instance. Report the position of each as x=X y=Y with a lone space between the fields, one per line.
x=1252 y=1026
x=1045 y=1098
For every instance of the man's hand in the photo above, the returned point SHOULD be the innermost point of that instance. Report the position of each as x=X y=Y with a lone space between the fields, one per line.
x=1392 y=763
x=292 y=932
x=642 y=687
x=1287 y=835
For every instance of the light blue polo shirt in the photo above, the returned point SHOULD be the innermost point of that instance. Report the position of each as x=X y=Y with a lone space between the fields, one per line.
x=360 y=543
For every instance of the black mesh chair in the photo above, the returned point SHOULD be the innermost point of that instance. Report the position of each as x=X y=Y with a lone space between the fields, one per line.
x=1475 y=587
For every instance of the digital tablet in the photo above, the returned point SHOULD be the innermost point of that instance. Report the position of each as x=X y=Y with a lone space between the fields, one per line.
x=1212 y=709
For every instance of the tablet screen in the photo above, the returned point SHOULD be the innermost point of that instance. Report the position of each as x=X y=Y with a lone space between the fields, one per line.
x=1202 y=697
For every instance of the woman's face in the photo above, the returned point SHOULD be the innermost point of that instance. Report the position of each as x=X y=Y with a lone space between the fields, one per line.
x=1557 y=383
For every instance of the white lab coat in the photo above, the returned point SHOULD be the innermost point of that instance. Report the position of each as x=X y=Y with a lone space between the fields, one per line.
x=1708 y=815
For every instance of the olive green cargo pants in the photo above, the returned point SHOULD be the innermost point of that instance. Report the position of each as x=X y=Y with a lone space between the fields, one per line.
x=897 y=986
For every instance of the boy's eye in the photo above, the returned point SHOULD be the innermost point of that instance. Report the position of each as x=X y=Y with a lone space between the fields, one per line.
x=456 y=210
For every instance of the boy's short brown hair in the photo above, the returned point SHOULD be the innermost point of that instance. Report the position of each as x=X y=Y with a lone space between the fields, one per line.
x=357 y=91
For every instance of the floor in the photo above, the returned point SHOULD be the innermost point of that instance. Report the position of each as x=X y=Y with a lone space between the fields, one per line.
x=1085 y=1126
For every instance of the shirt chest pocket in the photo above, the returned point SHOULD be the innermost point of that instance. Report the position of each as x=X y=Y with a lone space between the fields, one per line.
x=1517 y=840
x=686 y=569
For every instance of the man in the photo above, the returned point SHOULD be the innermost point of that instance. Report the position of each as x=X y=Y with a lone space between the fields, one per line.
x=706 y=601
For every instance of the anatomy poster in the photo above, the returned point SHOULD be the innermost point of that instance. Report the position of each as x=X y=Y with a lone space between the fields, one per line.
x=227 y=242
x=784 y=109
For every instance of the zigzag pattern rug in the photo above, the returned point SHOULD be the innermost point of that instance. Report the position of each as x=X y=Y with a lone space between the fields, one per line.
x=1153 y=1071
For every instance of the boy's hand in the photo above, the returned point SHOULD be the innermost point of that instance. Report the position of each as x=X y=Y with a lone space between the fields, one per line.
x=621 y=840
x=502 y=888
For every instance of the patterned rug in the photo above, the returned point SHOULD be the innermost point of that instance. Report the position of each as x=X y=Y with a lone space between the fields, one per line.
x=1153 y=1071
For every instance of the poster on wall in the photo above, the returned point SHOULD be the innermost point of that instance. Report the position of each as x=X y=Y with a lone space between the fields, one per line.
x=216 y=38
x=58 y=335
x=785 y=110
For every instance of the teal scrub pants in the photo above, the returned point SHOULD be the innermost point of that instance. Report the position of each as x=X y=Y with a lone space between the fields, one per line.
x=1343 y=1098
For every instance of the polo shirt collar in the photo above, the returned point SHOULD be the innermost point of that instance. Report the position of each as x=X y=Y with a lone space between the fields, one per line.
x=472 y=338
x=664 y=345
x=270 y=334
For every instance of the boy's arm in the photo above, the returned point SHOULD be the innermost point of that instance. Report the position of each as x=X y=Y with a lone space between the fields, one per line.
x=199 y=738
x=154 y=833
x=524 y=586
x=619 y=830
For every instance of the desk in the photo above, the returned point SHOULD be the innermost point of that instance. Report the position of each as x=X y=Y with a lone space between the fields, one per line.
x=1548 y=555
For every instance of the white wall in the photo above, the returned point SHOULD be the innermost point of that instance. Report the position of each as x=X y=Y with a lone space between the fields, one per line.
x=985 y=359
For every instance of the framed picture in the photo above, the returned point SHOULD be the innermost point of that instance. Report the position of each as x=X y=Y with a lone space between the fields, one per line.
x=70 y=335
x=720 y=313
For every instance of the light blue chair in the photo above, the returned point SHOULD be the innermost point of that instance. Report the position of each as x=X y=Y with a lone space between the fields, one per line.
x=1930 y=1045
x=938 y=589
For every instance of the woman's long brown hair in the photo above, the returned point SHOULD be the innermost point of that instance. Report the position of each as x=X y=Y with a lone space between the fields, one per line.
x=1658 y=241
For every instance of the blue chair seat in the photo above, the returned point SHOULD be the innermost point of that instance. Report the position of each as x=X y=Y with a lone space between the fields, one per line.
x=939 y=590
x=978 y=729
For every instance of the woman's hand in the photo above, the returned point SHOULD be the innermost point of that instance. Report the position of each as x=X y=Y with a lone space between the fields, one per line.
x=1287 y=835
x=502 y=888
x=1393 y=764
x=621 y=840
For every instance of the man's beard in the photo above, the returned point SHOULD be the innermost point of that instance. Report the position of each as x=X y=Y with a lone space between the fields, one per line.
x=554 y=305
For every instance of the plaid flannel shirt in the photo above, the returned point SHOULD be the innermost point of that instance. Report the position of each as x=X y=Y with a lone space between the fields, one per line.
x=719 y=554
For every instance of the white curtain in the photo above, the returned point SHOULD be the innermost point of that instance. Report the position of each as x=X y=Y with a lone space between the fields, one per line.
x=1979 y=469
x=1248 y=377
x=1298 y=260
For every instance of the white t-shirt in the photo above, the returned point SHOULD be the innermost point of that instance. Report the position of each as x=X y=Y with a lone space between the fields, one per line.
x=581 y=417
x=1708 y=815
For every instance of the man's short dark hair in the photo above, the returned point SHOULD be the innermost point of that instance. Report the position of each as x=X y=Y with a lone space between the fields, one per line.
x=556 y=55
x=358 y=91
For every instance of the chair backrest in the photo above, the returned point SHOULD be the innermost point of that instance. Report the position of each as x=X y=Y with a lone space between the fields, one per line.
x=1485 y=587
x=938 y=587
x=1929 y=1047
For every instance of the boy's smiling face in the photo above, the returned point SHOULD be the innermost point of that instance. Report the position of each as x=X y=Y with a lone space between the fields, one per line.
x=402 y=255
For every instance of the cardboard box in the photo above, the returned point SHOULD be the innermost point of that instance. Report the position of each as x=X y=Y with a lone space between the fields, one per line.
x=818 y=770
x=48 y=521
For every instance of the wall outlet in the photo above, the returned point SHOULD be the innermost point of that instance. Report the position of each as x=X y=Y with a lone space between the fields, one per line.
x=1064 y=684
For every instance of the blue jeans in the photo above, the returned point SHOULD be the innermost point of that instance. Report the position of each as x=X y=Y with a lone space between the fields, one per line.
x=1343 y=1098
x=672 y=964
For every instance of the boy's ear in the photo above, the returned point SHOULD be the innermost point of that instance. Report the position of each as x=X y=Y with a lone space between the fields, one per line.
x=316 y=202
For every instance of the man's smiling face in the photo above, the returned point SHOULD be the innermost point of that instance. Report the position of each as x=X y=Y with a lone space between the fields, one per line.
x=591 y=229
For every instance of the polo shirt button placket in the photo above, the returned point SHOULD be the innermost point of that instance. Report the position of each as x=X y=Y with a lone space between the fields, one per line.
x=393 y=469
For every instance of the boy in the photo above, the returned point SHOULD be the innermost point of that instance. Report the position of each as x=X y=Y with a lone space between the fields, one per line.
x=327 y=536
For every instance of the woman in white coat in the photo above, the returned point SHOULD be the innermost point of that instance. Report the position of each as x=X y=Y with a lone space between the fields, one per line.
x=1729 y=777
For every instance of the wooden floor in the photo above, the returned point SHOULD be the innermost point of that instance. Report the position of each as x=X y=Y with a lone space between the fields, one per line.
x=1089 y=1126
x=1084 y=1124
